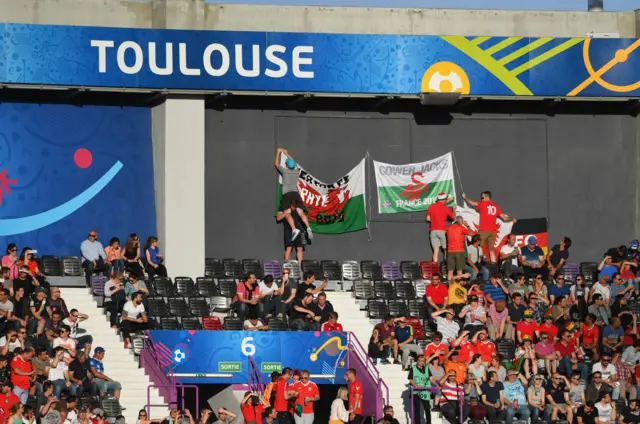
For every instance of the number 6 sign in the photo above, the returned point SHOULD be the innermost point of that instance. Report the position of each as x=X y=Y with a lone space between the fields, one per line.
x=247 y=346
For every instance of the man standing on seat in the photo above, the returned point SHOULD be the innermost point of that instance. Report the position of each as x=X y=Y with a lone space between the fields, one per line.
x=437 y=215
x=487 y=227
x=290 y=174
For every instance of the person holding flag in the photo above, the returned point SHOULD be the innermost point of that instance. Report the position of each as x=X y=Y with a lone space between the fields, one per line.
x=290 y=174
x=437 y=216
x=489 y=212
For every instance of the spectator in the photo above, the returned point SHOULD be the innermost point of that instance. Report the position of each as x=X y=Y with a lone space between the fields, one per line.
x=80 y=375
x=388 y=333
x=104 y=383
x=476 y=373
x=623 y=378
x=58 y=374
x=388 y=412
x=548 y=327
x=509 y=254
x=302 y=317
x=519 y=286
x=632 y=415
x=293 y=235
x=114 y=255
x=606 y=409
x=436 y=346
x=93 y=257
x=40 y=363
x=449 y=402
x=254 y=324
x=56 y=303
x=21 y=307
x=558 y=289
x=224 y=416
x=131 y=256
x=308 y=394
x=83 y=339
x=338 y=412
x=475 y=290
x=457 y=242
x=603 y=288
x=7 y=319
x=475 y=316
x=11 y=260
x=45 y=401
x=542 y=303
x=475 y=260
x=27 y=258
x=619 y=287
x=436 y=295
x=527 y=327
x=271 y=297
x=289 y=175
x=612 y=336
x=356 y=396
x=608 y=372
x=600 y=310
x=271 y=415
x=154 y=259
x=378 y=349
x=545 y=351
x=536 y=398
x=491 y=395
x=514 y=397
x=532 y=259
x=252 y=407
x=421 y=383
x=247 y=298
x=21 y=372
x=560 y=311
x=437 y=215
x=557 y=256
x=515 y=316
x=289 y=289
x=466 y=348
x=436 y=372
x=114 y=288
x=631 y=355
x=497 y=367
x=7 y=399
x=134 y=285
x=489 y=212
x=590 y=336
x=483 y=346
x=606 y=268
x=558 y=397
x=452 y=364
x=447 y=327
x=457 y=296
x=4 y=370
x=26 y=281
x=15 y=413
x=579 y=295
x=5 y=278
x=322 y=308
x=495 y=290
x=332 y=324
x=307 y=286
x=587 y=413
x=134 y=318
x=567 y=351
x=576 y=392
x=66 y=343
x=596 y=388
x=406 y=344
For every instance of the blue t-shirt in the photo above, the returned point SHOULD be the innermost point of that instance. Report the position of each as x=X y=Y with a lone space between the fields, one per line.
x=495 y=292
x=607 y=270
x=96 y=364
x=559 y=291
x=153 y=254
x=515 y=391
x=613 y=336
x=403 y=334
x=532 y=256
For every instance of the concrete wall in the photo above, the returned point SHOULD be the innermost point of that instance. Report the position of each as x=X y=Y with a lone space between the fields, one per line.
x=578 y=171
x=195 y=14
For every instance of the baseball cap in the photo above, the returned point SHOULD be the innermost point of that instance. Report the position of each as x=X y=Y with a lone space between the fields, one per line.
x=526 y=338
x=99 y=349
x=532 y=241
x=39 y=290
x=24 y=269
x=635 y=244
x=442 y=195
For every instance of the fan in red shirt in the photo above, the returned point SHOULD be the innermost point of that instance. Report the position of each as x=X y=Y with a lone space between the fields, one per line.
x=548 y=327
x=7 y=399
x=567 y=344
x=527 y=327
x=283 y=394
x=332 y=324
x=590 y=335
x=356 y=394
x=308 y=393
x=252 y=407
x=436 y=294
x=483 y=346
x=489 y=213
x=437 y=215
x=456 y=237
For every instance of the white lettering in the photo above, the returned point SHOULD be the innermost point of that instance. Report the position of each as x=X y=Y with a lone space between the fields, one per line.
x=299 y=61
x=184 y=68
x=279 y=62
x=139 y=57
x=224 y=54
x=102 y=46
x=255 y=61
x=153 y=63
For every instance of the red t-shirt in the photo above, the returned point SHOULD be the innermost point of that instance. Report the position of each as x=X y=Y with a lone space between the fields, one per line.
x=551 y=330
x=242 y=288
x=306 y=390
x=627 y=340
x=432 y=348
x=385 y=332
x=21 y=381
x=355 y=387
x=327 y=326
x=466 y=352
x=527 y=329
x=456 y=237
x=565 y=350
x=589 y=336
x=489 y=212
x=7 y=400
x=252 y=413
x=281 y=404
x=437 y=294
x=486 y=349
x=439 y=212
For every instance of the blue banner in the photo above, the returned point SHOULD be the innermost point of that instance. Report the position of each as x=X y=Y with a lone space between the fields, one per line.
x=222 y=357
x=318 y=63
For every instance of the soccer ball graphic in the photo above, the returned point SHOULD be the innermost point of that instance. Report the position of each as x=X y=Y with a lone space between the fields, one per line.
x=445 y=77
x=179 y=356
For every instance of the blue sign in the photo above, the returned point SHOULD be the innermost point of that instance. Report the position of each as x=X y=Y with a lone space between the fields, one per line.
x=222 y=357
x=318 y=63
x=65 y=170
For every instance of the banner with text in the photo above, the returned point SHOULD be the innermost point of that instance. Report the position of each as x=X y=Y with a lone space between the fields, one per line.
x=415 y=186
x=334 y=208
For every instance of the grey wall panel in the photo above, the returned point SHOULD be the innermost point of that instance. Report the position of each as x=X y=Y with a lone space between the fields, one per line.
x=580 y=172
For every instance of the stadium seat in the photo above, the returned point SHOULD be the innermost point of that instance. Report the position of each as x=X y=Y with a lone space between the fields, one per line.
x=363 y=290
x=371 y=270
x=377 y=309
x=97 y=287
x=169 y=323
x=71 y=266
x=428 y=269
x=410 y=270
x=206 y=287
x=185 y=287
x=191 y=323
x=212 y=323
x=163 y=287
x=391 y=271
x=331 y=270
x=314 y=266
x=198 y=307
x=277 y=325
x=254 y=266
x=213 y=268
x=158 y=307
x=571 y=270
x=351 y=271
x=294 y=269
x=227 y=288
x=443 y=268
x=111 y=407
x=220 y=304
x=416 y=324
x=383 y=290
x=589 y=270
x=416 y=308
x=51 y=266
x=232 y=268
x=272 y=267
x=421 y=286
x=398 y=308
x=507 y=349
x=233 y=324
x=404 y=290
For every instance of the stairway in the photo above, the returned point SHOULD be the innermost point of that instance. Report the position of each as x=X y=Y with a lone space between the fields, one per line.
x=356 y=321
x=119 y=363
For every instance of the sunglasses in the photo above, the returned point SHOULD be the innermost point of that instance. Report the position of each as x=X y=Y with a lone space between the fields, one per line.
x=545 y=338
x=538 y=278
x=304 y=378
x=560 y=278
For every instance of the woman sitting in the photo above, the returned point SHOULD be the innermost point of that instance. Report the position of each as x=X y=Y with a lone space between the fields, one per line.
x=131 y=256
x=378 y=350
x=27 y=258
x=154 y=259
x=10 y=260
x=114 y=255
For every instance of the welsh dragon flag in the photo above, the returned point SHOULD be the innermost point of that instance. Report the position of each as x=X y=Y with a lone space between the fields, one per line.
x=334 y=208
x=414 y=187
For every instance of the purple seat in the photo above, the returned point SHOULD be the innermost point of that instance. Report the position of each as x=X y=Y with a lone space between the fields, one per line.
x=391 y=271
x=571 y=270
x=272 y=267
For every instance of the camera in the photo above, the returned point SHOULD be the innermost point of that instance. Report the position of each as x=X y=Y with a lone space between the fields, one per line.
x=255 y=401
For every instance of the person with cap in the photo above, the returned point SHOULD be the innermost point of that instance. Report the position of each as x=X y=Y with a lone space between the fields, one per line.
x=437 y=215
x=104 y=382
x=546 y=351
x=489 y=212
x=290 y=174
x=446 y=326
x=557 y=256
x=527 y=327
x=451 y=389
x=474 y=314
x=532 y=259
x=548 y=327
x=456 y=251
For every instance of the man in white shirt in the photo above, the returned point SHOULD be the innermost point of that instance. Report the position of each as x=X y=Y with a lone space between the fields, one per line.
x=59 y=374
x=11 y=341
x=509 y=257
x=272 y=297
x=602 y=287
x=134 y=318
x=66 y=343
x=80 y=335
x=608 y=372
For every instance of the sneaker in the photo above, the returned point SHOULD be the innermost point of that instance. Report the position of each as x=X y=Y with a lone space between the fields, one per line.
x=309 y=233
x=279 y=316
x=295 y=234
x=396 y=362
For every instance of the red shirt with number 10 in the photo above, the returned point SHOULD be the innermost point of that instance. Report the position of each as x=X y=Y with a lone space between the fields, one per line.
x=489 y=212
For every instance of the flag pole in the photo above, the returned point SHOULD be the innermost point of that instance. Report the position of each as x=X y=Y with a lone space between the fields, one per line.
x=455 y=164
x=368 y=174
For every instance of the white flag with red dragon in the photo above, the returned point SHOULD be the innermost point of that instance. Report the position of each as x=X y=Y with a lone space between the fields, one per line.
x=333 y=208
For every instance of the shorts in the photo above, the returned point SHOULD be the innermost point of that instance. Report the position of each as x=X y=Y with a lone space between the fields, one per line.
x=438 y=239
x=456 y=261
x=488 y=237
x=285 y=201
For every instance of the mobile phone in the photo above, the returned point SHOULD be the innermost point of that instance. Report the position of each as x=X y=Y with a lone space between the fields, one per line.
x=32 y=252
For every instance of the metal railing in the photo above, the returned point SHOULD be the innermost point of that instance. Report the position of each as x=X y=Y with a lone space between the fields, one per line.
x=382 y=393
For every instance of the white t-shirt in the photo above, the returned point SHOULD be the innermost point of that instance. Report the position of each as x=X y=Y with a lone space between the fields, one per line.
x=247 y=323
x=133 y=311
x=12 y=345
x=57 y=373
x=266 y=290
x=604 y=291
x=68 y=344
x=607 y=372
x=73 y=326
x=507 y=250
x=604 y=412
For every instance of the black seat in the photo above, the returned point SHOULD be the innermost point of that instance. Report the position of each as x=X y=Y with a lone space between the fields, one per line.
x=398 y=308
x=416 y=308
x=232 y=268
x=213 y=268
x=111 y=407
x=331 y=270
x=253 y=266
x=51 y=266
x=206 y=286
x=405 y=290
x=227 y=288
x=363 y=290
x=198 y=307
x=410 y=270
x=589 y=270
x=71 y=266
x=191 y=323
x=233 y=324
x=277 y=325
x=169 y=323
x=163 y=287
x=220 y=304
x=178 y=307
x=383 y=290
x=313 y=266
x=506 y=348
x=185 y=287
x=371 y=270
x=377 y=309
x=158 y=307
